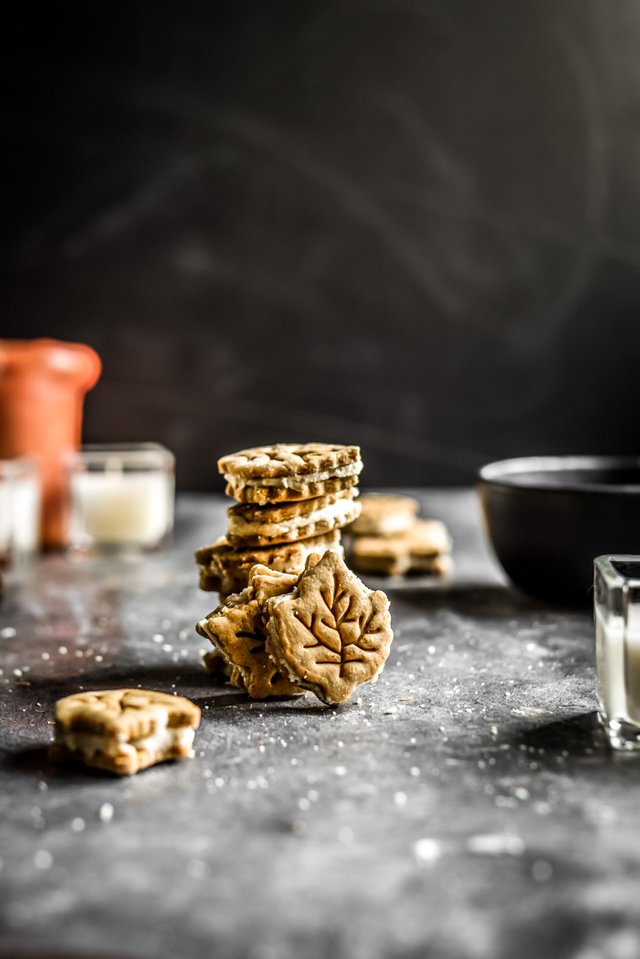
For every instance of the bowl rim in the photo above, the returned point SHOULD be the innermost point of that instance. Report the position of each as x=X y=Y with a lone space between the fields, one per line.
x=503 y=473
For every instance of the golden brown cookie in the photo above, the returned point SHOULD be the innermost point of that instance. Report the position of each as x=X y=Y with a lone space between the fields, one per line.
x=441 y=565
x=297 y=490
x=226 y=569
x=251 y=525
x=125 y=730
x=287 y=459
x=290 y=471
x=331 y=634
x=384 y=514
x=416 y=550
x=376 y=565
x=236 y=629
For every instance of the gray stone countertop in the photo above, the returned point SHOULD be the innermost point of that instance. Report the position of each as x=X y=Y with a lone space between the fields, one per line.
x=464 y=807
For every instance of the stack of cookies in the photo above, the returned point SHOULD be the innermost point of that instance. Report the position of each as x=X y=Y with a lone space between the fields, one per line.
x=292 y=500
x=322 y=630
x=388 y=539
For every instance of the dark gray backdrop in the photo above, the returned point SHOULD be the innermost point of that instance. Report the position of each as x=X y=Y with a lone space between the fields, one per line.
x=413 y=225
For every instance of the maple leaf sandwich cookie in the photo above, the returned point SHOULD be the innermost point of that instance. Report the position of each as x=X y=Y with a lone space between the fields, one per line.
x=388 y=539
x=290 y=471
x=236 y=629
x=253 y=525
x=385 y=514
x=331 y=633
x=425 y=547
x=225 y=568
x=125 y=730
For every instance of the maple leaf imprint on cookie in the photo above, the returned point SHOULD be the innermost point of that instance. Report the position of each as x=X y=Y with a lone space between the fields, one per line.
x=336 y=634
x=236 y=630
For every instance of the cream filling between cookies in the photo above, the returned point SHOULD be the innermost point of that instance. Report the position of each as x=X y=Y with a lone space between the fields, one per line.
x=296 y=481
x=340 y=510
x=385 y=525
x=163 y=740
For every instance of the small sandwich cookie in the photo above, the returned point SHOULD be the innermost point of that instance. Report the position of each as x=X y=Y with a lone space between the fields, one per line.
x=252 y=525
x=225 y=568
x=331 y=633
x=424 y=548
x=287 y=472
x=125 y=730
x=384 y=514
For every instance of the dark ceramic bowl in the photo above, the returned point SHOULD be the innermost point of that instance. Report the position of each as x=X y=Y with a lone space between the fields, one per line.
x=548 y=517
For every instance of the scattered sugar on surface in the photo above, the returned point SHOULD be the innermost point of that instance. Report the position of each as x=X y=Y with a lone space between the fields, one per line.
x=78 y=824
x=521 y=793
x=8 y=632
x=427 y=851
x=43 y=859
x=105 y=813
x=496 y=844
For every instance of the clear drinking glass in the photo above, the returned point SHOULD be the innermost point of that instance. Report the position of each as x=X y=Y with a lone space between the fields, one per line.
x=617 y=623
x=121 y=495
x=20 y=497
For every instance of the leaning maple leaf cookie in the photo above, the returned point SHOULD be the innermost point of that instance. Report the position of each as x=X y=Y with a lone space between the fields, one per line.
x=332 y=633
x=236 y=630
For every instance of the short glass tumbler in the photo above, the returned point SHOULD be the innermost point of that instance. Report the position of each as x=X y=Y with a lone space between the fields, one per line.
x=121 y=496
x=617 y=624
x=20 y=489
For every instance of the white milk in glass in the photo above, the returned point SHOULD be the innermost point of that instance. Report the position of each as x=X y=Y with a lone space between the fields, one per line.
x=618 y=663
x=122 y=497
x=19 y=508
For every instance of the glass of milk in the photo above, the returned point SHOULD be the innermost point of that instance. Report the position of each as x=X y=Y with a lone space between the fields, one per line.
x=121 y=496
x=617 y=623
x=19 y=509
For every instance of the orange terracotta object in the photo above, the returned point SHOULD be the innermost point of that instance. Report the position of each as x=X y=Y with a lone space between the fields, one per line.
x=42 y=389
